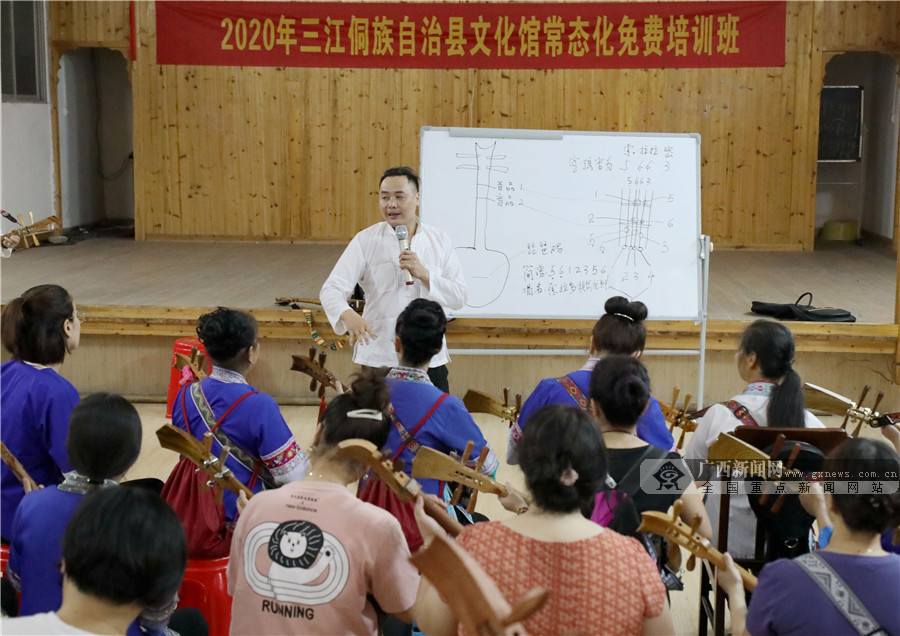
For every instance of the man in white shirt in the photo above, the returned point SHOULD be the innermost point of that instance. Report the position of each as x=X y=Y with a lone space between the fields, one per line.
x=374 y=260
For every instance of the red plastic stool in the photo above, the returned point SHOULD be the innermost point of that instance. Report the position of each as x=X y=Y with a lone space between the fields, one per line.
x=182 y=345
x=205 y=587
x=4 y=558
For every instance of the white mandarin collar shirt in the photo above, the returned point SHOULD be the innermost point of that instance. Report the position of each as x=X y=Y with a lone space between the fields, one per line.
x=373 y=259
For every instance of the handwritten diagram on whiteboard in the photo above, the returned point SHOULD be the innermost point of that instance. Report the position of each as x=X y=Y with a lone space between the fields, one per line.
x=549 y=224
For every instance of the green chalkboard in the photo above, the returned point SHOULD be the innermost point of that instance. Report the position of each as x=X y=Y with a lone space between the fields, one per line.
x=840 y=123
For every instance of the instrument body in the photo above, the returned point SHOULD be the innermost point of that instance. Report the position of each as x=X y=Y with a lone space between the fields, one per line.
x=678 y=417
x=678 y=532
x=43 y=229
x=17 y=468
x=822 y=399
x=196 y=363
x=402 y=485
x=200 y=454
x=479 y=402
x=322 y=378
x=473 y=597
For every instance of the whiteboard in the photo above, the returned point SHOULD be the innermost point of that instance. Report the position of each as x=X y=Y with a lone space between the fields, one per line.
x=549 y=224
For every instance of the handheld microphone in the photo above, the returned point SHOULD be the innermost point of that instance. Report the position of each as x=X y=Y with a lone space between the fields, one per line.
x=403 y=239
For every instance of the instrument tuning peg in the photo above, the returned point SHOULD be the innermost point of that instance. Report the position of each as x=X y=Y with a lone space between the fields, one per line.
x=322 y=357
x=399 y=464
x=863 y=394
x=207 y=443
x=878 y=399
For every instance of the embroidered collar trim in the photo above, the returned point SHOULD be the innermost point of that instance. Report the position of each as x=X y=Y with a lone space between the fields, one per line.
x=759 y=388
x=227 y=375
x=590 y=364
x=79 y=484
x=409 y=373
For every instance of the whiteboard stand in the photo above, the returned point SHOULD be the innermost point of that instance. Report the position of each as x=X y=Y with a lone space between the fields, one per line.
x=705 y=249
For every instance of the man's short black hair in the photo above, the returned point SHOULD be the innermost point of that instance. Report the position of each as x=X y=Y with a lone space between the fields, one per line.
x=125 y=545
x=401 y=171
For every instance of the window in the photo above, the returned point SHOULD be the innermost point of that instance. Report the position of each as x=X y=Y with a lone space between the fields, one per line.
x=22 y=51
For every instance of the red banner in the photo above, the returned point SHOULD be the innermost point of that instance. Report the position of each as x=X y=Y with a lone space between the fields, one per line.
x=476 y=35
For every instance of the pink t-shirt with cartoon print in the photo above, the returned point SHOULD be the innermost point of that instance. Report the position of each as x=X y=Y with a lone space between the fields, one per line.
x=306 y=558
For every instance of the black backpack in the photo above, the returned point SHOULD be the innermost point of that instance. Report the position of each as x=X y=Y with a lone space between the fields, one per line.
x=617 y=511
x=787 y=531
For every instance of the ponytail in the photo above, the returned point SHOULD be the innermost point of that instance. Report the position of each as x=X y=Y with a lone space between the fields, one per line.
x=773 y=345
x=13 y=316
x=786 y=405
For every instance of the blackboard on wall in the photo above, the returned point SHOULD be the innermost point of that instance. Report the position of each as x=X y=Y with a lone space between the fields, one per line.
x=549 y=224
x=840 y=123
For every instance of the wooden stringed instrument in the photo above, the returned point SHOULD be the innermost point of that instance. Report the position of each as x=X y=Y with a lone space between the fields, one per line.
x=473 y=597
x=43 y=229
x=678 y=417
x=402 y=485
x=356 y=304
x=433 y=464
x=680 y=533
x=196 y=363
x=200 y=454
x=478 y=402
x=17 y=468
x=322 y=378
x=824 y=400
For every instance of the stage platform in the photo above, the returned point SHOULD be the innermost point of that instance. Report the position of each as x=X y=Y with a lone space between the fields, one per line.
x=154 y=291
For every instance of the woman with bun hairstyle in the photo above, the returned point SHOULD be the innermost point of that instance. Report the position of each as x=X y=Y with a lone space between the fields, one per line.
x=600 y=581
x=773 y=397
x=621 y=330
x=620 y=393
x=310 y=557
x=788 y=600
x=264 y=453
x=427 y=415
x=39 y=328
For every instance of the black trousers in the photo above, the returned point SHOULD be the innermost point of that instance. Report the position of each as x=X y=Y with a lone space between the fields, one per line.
x=440 y=377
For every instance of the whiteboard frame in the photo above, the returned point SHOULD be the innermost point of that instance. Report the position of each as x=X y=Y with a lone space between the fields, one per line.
x=704 y=244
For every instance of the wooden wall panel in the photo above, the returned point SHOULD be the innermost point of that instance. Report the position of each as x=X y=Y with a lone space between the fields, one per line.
x=90 y=23
x=294 y=154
